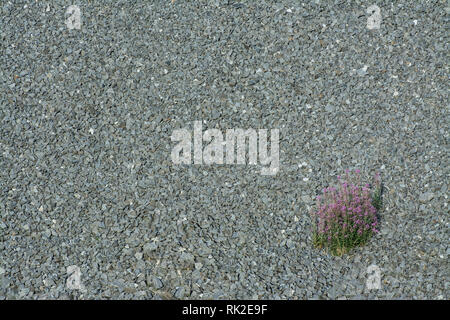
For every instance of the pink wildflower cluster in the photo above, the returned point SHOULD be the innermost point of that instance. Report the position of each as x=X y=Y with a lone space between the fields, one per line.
x=345 y=215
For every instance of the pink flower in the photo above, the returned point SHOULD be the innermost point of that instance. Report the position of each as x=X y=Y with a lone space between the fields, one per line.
x=348 y=210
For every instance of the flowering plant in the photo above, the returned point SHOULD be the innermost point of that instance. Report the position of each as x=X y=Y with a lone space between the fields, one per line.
x=346 y=216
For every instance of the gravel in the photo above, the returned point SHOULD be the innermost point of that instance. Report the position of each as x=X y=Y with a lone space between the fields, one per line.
x=86 y=176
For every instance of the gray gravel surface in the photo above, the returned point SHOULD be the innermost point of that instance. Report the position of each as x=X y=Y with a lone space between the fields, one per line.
x=86 y=176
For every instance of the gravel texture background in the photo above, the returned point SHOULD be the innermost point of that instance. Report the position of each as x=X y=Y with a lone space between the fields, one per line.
x=86 y=176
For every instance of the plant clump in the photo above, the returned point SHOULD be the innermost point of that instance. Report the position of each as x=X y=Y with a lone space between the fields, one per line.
x=346 y=216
